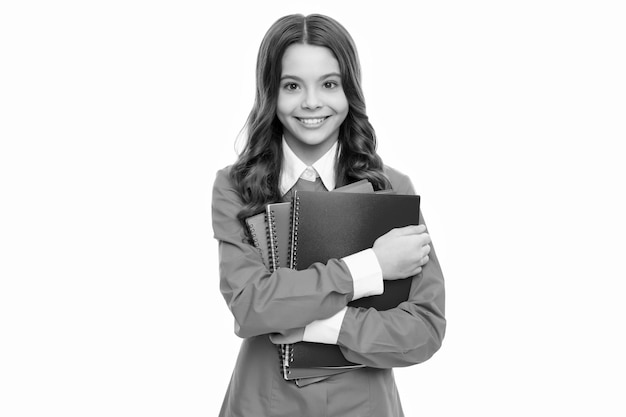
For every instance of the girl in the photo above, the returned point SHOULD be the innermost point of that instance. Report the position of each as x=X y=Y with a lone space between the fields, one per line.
x=309 y=130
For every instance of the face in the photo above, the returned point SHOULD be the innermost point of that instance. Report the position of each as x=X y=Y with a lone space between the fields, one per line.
x=311 y=102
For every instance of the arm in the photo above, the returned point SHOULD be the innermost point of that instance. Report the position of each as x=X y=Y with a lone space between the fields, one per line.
x=408 y=334
x=264 y=302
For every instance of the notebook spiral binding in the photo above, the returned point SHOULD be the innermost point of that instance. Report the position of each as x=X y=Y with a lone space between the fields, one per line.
x=285 y=354
x=272 y=242
x=293 y=247
x=255 y=238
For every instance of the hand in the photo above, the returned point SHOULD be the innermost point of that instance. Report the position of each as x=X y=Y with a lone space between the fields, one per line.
x=403 y=251
x=288 y=336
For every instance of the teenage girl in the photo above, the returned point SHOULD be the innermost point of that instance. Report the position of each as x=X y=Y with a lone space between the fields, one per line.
x=308 y=129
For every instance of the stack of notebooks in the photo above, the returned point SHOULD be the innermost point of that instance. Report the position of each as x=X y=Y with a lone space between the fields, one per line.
x=316 y=227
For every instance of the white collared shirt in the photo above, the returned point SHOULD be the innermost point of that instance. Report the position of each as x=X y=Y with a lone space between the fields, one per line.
x=367 y=277
x=294 y=168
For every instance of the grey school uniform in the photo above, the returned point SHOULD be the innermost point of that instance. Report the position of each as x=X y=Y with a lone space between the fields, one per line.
x=264 y=302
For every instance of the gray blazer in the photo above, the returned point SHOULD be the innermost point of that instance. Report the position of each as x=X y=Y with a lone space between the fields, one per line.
x=263 y=302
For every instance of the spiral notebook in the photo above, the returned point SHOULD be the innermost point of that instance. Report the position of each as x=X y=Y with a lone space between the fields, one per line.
x=278 y=217
x=257 y=226
x=334 y=225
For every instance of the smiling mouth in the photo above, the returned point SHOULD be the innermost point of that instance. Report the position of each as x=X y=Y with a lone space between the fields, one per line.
x=312 y=121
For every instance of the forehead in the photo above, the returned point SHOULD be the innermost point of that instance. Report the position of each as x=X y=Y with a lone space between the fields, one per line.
x=308 y=61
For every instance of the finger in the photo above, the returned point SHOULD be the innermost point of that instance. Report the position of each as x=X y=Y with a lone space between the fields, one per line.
x=424 y=238
x=424 y=260
x=419 y=243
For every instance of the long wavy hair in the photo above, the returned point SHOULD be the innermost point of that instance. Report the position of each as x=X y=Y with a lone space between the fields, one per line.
x=257 y=170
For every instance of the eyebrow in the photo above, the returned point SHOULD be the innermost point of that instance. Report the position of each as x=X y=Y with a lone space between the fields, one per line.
x=330 y=74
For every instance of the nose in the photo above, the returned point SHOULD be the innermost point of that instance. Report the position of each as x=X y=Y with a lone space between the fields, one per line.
x=311 y=100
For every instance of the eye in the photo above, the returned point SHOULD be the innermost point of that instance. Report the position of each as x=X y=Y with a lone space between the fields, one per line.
x=290 y=86
x=331 y=84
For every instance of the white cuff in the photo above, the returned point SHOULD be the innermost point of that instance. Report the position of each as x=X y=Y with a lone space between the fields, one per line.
x=367 y=277
x=325 y=331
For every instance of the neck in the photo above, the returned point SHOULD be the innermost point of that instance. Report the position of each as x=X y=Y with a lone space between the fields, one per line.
x=309 y=154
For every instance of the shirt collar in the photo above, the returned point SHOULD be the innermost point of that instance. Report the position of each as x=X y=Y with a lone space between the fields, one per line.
x=293 y=168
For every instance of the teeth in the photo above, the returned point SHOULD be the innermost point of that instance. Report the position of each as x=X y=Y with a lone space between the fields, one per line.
x=312 y=121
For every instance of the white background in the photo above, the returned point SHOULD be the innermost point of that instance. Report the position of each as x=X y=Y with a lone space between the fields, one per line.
x=114 y=117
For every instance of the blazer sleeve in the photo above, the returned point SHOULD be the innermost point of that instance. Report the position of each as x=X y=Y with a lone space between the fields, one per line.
x=408 y=334
x=263 y=302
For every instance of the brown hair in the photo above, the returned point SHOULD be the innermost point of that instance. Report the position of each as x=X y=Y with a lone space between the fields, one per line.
x=257 y=170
